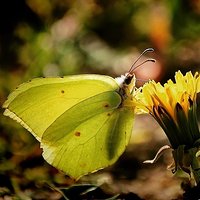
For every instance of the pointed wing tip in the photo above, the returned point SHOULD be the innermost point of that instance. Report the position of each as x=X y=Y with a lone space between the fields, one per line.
x=5 y=104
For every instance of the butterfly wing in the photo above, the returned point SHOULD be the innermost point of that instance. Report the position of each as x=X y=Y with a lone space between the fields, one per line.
x=79 y=120
x=93 y=143
x=39 y=102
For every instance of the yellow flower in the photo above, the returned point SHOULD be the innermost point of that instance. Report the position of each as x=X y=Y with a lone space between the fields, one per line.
x=174 y=107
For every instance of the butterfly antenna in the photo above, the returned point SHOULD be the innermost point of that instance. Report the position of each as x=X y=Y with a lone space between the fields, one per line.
x=147 y=60
x=142 y=80
x=133 y=67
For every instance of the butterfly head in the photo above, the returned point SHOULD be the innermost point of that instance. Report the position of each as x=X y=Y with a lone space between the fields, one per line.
x=128 y=80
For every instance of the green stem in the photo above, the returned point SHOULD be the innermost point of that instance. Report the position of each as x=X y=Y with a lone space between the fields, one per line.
x=195 y=164
x=188 y=161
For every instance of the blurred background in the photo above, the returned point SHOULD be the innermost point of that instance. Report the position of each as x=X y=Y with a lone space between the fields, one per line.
x=64 y=37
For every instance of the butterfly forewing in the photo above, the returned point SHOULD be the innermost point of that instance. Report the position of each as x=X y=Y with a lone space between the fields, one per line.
x=37 y=104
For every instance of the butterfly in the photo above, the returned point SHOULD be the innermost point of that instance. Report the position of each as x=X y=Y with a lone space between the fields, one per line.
x=83 y=122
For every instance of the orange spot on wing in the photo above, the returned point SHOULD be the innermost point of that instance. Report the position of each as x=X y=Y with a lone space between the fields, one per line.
x=77 y=133
x=106 y=105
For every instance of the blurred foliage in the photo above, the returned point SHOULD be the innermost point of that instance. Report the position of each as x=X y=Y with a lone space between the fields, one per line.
x=64 y=37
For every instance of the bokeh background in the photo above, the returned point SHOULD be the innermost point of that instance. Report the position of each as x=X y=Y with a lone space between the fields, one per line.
x=64 y=37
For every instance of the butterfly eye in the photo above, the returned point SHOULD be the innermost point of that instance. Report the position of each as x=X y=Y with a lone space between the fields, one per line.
x=128 y=79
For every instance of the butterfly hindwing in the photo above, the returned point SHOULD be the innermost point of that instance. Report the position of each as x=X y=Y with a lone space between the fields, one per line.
x=94 y=144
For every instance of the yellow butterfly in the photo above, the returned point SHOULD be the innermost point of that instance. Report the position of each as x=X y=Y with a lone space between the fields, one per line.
x=83 y=122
